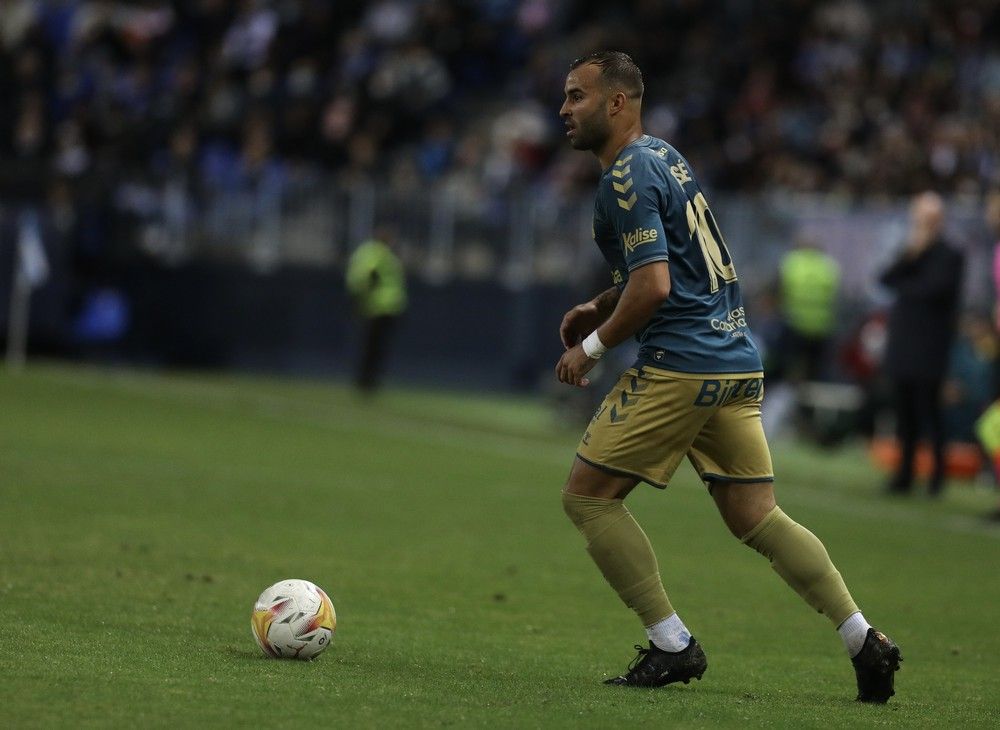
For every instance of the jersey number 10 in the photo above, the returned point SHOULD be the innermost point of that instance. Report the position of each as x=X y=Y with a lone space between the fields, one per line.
x=717 y=259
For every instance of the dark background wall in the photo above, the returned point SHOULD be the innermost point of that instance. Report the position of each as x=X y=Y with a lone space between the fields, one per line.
x=299 y=320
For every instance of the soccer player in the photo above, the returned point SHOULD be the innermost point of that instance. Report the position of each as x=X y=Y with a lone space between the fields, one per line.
x=695 y=389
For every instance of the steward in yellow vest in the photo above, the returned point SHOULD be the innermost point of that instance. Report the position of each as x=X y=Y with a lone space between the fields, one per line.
x=377 y=284
x=810 y=282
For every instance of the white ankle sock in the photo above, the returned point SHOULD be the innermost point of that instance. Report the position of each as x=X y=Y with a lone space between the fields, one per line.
x=670 y=634
x=853 y=631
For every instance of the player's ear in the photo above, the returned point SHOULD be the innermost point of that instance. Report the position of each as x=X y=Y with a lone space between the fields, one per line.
x=616 y=102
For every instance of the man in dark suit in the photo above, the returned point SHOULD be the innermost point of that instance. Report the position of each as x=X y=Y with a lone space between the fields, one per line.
x=927 y=281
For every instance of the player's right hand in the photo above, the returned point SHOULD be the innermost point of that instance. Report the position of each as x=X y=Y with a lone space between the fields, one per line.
x=579 y=322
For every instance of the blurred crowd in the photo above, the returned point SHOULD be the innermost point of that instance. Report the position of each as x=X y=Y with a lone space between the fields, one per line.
x=222 y=115
x=844 y=97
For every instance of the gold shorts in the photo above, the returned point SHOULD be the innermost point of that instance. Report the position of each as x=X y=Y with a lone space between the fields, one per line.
x=652 y=418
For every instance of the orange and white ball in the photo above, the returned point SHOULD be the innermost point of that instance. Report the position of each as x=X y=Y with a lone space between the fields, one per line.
x=293 y=619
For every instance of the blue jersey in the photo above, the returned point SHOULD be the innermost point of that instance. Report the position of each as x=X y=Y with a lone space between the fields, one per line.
x=649 y=208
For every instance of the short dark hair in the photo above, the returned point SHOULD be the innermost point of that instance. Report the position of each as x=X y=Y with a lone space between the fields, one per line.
x=618 y=70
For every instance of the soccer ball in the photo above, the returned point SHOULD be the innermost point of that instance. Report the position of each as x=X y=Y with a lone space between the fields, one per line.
x=293 y=619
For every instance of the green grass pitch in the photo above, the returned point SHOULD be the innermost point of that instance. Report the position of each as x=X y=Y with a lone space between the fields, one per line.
x=140 y=516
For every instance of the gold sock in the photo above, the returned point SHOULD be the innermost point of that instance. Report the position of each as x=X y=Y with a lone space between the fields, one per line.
x=800 y=559
x=622 y=552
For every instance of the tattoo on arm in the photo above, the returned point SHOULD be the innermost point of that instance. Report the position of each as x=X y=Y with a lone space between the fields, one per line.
x=607 y=300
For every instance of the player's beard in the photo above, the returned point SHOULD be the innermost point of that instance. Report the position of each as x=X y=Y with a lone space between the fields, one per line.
x=591 y=133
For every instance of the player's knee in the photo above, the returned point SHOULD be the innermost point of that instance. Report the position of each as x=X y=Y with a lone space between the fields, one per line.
x=768 y=533
x=737 y=528
x=582 y=509
x=572 y=507
x=745 y=521
x=744 y=507
x=592 y=515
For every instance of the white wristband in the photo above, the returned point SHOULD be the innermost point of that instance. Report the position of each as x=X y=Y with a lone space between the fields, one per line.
x=593 y=347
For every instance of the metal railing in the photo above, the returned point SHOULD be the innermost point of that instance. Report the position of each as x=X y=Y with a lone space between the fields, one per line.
x=455 y=231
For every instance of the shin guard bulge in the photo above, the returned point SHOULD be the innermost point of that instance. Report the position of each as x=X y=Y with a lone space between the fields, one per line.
x=800 y=559
x=623 y=553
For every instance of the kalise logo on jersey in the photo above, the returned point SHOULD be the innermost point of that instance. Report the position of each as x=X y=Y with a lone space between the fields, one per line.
x=638 y=237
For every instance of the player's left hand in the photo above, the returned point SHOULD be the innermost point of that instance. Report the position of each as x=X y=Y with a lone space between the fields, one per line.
x=573 y=366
